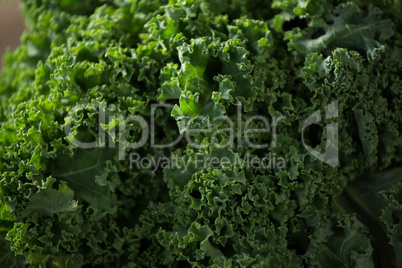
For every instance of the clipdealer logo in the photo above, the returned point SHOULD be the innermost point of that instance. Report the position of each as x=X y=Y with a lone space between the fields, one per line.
x=112 y=132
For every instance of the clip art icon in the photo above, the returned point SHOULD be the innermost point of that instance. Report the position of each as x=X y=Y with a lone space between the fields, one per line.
x=331 y=155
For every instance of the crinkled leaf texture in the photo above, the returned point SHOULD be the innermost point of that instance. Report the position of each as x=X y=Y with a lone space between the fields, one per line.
x=87 y=69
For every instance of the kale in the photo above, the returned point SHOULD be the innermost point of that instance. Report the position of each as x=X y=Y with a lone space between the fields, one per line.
x=155 y=133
